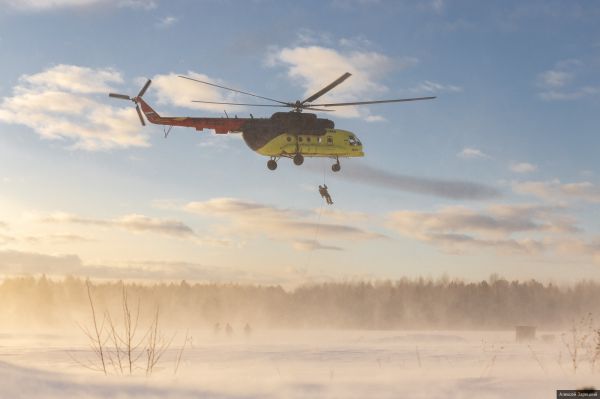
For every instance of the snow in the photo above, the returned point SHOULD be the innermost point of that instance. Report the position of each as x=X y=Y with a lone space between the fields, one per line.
x=304 y=364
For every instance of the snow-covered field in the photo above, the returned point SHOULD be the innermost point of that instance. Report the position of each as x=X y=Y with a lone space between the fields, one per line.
x=304 y=364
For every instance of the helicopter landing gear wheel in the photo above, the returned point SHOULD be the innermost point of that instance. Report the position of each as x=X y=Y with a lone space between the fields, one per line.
x=298 y=159
x=272 y=164
x=336 y=166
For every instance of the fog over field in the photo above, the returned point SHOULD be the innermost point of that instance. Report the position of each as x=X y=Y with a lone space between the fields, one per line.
x=384 y=339
x=407 y=304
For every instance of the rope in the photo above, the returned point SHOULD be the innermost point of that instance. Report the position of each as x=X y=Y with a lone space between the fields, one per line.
x=318 y=223
x=315 y=235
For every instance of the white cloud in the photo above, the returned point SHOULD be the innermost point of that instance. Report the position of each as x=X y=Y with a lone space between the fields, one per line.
x=314 y=67
x=250 y=220
x=506 y=228
x=556 y=191
x=136 y=4
x=44 y=5
x=31 y=263
x=39 y=5
x=167 y=22
x=430 y=87
x=553 y=78
x=312 y=245
x=523 y=167
x=557 y=84
x=437 y=5
x=61 y=103
x=133 y=222
x=472 y=153
x=575 y=94
x=175 y=91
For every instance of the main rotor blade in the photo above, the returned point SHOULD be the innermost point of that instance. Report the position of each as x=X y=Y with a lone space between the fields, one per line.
x=319 y=109
x=121 y=96
x=137 y=108
x=327 y=88
x=372 y=102
x=251 y=105
x=141 y=93
x=234 y=90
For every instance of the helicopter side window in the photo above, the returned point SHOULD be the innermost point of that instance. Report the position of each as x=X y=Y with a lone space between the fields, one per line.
x=329 y=140
x=300 y=139
x=308 y=139
x=289 y=138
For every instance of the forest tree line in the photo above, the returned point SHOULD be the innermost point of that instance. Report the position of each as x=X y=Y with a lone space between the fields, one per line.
x=495 y=303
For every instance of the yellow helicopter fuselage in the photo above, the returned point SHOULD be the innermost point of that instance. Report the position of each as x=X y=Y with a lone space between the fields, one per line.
x=335 y=143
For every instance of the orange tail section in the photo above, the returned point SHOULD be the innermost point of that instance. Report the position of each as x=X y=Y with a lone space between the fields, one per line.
x=150 y=113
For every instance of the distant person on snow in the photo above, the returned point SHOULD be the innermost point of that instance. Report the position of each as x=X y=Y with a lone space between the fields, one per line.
x=325 y=194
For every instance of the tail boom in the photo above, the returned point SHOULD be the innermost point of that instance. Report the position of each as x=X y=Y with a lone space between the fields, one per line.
x=219 y=125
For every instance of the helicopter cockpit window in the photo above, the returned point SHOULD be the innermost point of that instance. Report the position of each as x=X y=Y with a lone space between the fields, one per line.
x=353 y=140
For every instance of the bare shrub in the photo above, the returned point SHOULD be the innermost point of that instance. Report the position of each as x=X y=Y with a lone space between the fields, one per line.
x=582 y=342
x=126 y=347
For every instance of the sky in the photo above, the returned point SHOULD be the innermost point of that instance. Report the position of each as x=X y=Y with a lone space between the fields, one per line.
x=498 y=175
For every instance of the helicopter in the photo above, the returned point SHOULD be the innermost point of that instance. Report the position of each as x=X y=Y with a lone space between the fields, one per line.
x=293 y=134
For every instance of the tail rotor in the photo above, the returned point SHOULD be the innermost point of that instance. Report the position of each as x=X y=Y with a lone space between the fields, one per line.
x=134 y=99
x=143 y=91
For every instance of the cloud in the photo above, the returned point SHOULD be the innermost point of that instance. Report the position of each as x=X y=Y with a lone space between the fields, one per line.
x=430 y=87
x=51 y=238
x=523 y=167
x=57 y=239
x=16 y=262
x=133 y=222
x=437 y=5
x=500 y=226
x=5 y=239
x=45 y=5
x=136 y=4
x=40 y=5
x=472 y=153
x=452 y=189
x=553 y=78
x=576 y=94
x=556 y=191
x=245 y=209
x=31 y=263
x=557 y=84
x=250 y=220
x=60 y=104
x=314 y=67
x=312 y=245
x=175 y=91
x=167 y=22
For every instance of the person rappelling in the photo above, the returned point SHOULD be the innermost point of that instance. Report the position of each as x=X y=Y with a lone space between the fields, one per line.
x=325 y=194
